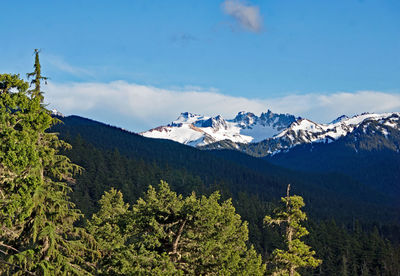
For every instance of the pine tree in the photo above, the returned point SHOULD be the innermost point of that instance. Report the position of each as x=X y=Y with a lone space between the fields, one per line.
x=297 y=253
x=166 y=234
x=37 y=235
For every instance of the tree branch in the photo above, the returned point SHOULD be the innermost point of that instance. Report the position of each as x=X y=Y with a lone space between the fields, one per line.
x=10 y=264
x=178 y=236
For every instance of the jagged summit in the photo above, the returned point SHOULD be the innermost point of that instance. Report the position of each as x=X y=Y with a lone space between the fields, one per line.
x=277 y=121
x=198 y=130
x=187 y=116
x=245 y=119
x=339 y=119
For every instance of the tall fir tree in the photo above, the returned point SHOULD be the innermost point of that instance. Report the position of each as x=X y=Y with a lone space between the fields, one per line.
x=37 y=235
x=37 y=77
x=297 y=254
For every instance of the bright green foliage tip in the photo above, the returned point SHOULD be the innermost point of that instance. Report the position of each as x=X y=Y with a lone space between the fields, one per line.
x=297 y=254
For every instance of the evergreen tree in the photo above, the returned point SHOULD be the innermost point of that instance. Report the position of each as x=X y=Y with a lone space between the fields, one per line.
x=297 y=253
x=37 y=235
x=166 y=234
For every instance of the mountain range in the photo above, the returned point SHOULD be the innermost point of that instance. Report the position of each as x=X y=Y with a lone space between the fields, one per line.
x=197 y=130
x=269 y=133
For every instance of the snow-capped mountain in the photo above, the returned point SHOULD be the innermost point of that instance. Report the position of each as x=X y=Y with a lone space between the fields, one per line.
x=266 y=134
x=266 y=126
x=198 y=130
x=305 y=131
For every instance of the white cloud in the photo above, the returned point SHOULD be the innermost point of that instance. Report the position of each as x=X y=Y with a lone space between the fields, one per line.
x=138 y=107
x=246 y=15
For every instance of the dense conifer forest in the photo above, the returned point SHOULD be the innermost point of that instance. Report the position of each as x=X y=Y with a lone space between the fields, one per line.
x=78 y=197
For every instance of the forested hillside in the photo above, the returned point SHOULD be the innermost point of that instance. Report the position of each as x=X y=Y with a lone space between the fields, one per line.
x=190 y=169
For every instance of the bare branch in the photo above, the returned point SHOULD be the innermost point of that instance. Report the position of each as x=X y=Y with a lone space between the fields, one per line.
x=9 y=247
x=176 y=242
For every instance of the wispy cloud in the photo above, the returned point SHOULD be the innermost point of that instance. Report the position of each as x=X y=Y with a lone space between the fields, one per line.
x=138 y=107
x=246 y=15
x=60 y=64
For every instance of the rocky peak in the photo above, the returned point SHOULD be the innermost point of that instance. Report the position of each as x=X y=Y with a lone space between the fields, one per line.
x=339 y=119
x=217 y=123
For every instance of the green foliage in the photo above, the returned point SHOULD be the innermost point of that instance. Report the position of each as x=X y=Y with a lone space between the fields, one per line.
x=166 y=234
x=37 y=233
x=296 y=254
x=104 y=225
x=37 y=77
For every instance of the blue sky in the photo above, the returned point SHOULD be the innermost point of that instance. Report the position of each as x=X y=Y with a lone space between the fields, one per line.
x=311 y=58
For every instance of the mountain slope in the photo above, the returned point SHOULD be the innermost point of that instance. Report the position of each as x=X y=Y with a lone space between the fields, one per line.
x=369 y=154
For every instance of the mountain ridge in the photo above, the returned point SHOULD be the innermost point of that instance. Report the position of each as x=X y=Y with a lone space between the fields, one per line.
x=274 y=132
